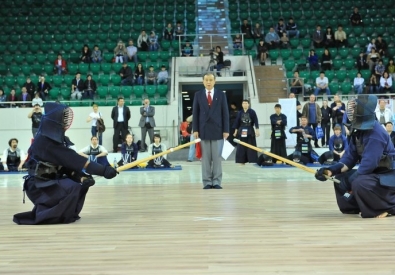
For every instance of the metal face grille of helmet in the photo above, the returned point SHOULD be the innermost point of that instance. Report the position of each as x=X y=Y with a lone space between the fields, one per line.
x=68 y=116
x=351 y=107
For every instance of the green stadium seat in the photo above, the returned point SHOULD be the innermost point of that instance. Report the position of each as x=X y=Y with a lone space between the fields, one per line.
x=102 y=91
x=306 y=43
x=142 y=56
x=36 y=69
x=249 y=43
x=20 y=80
x=116 y=67
x=116 y=79
x=8 y=58
x=18 y=58
x=106 y=68
x=294 y=42
x=337 y=64
x=54 y=93
x=162 y=90
x=15 y=70
x=341 y=75
x=285 y=54
x=274 y=54
x=150 y=90
x=297 y=53
x=104 y=79
x=237 y=52
x=343 y=52
x=114 y=91
x=9 y=81
x=83 y=68
x=25 y=69
x=48 y=69
x=126 y=91
x=349 y=64
x=57 y=80
x=346 y=87
x=138 y=91
x=289 y=65
x=72 y=68
x=334 y=87
x=108 y=56
x=95 y=68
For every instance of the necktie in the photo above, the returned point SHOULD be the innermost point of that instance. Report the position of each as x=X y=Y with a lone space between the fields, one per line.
x=209 y=99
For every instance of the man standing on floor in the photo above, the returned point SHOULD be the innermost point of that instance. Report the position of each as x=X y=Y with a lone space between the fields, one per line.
x=211 y=125
x=147 y=123
x=120 y=114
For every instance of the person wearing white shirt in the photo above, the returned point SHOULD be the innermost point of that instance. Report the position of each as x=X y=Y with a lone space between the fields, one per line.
x=383 y=114
x=322 y=85
x=37 y=100
x=95 y=152
x=359 y=83
x=13 y=158
x=132 y=51
x=93 y=116
x=386 y=83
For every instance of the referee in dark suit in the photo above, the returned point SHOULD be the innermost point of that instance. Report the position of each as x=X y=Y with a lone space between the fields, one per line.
x=120 y=115
x=211 y=125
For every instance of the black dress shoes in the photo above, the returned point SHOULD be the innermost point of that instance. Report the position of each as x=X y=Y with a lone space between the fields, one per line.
x=208 y=186
x=217 y=187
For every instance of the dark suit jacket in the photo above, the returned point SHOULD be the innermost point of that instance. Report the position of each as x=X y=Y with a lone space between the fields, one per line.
x=150 y=114
x=42 y=89
x=126 y=116
x=80 y=86
x=210 y=122
x=28 y=101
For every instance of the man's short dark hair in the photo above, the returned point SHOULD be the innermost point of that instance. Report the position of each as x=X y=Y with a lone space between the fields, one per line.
x=119 y=98
x=209 y=73
x=11 y=140
x=389 y=122
x=322 y=72
x=157 y=136
x=277 y=106
x=93 y=137
x=246 y=100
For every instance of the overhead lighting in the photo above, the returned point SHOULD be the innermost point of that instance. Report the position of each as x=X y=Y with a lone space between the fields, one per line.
x=184 y=92
x=187 y=99
x=185 y=95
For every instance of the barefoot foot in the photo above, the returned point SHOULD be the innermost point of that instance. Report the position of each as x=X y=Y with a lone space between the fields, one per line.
x=382 y=215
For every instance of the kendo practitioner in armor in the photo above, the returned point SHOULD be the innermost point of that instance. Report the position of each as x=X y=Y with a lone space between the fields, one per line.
x=13 y=158
x=244 y=130
x=369 y=189
x=278 y=137
x=303 y=149
x=156 y=148
x=55 y=182
x=95 y=152
x=337 y=146
x=129 y=151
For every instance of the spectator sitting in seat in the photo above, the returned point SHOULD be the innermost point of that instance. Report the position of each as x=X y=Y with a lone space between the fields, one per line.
x=326 y=60
x=313 y=61
x=379 y=69
x=129 y=151
x=359 y=83
x=340 y=37
x=362 y=64
x=153 y=42
x=43 y=87
x=329 y=38
x=246 y=29
x=120 y=52
x=292 y=28
x=163 y=75
x=12 y=98
x=3 y=98
x=237 y=43
x=96 y=55
x=371 y=45
x=386 y=83
x=220 y=59
x=143 y=42
x=272 y=39
x=126 y=75
x=60 y=65
x=284 y=41
x=373 y=84
x=262 y=51
x=318 y=37
x=132 y=51
x=31 y=89
x=187 y=49
x=25 y=97
x=373 y=57
x=168 y=32
x=151 y=76
x=257 y=32
x=95 y=152
x=179 y=30
x=37 y=100
x=356 y=18
x=77 y=87
x=391 y=68
x=86 y=54
x=139 y=74
x=322 y=85
x=89 y=87
x=381 y=46
x=297 y=84
x=280 y=27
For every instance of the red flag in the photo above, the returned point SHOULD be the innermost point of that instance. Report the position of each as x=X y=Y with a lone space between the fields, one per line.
x=198 y=150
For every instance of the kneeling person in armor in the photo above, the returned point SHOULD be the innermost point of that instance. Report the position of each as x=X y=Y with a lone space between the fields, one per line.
x=304 y=152
x=156 y=148
x=95 y=152
x=13 y=158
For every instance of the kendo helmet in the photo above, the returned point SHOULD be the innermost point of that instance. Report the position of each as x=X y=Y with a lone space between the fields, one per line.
x=361 y=112
x=56 y=121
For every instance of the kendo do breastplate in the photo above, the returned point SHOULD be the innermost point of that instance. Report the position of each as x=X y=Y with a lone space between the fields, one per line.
x=157 y=150
x=94 y=151
x=245 y=119
x=13 y=158
x=338 y=145
x=129 y=149
x=304 y=143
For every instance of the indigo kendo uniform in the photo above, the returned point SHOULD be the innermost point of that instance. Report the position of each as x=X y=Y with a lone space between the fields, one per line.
x=303 y=149
x=56 y=184
x=369 y=189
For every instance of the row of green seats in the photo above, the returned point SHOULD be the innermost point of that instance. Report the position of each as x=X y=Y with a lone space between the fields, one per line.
x=339 y=75
x=113 y=102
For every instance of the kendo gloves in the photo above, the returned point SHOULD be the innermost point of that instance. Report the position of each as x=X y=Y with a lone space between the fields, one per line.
x=335 y=170
x=97 y=169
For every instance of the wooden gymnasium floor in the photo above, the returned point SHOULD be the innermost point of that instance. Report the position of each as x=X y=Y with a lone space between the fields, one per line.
x=264 y=221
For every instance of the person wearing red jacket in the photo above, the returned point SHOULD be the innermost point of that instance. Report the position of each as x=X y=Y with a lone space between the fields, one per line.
x=60 y=65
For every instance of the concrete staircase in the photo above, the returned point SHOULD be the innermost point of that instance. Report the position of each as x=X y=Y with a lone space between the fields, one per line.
x=270 y=82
